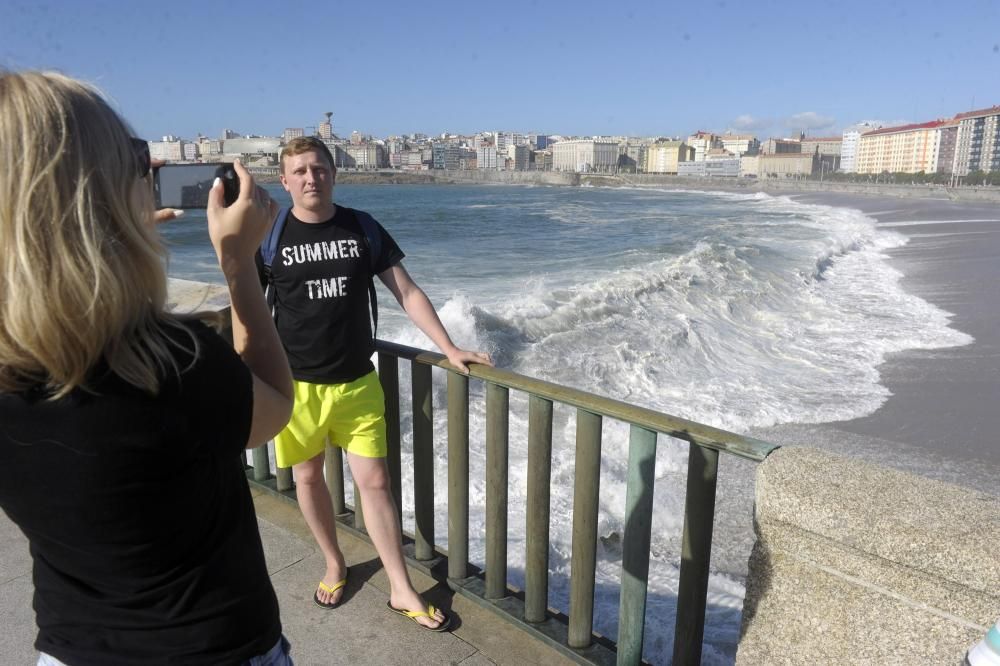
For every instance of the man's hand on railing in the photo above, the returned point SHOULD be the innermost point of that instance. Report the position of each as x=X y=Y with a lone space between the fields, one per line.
x=460 y=357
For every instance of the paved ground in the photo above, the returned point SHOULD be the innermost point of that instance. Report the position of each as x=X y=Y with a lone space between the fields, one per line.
x=362 y=631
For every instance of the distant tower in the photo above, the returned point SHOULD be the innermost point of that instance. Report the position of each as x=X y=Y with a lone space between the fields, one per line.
x=325 y=130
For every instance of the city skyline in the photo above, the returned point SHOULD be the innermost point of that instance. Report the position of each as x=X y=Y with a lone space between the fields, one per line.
x=632 y=69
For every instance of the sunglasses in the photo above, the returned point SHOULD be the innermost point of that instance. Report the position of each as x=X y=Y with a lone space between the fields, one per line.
x=141 y=149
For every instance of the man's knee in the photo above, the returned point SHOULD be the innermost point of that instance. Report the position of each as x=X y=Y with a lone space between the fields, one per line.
x=372 y=476
x=309 y=472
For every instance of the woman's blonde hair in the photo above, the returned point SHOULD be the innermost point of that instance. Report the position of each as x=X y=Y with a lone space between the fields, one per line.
x=82 y=270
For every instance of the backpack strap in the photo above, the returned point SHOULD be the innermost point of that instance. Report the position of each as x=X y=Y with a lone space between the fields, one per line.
x=374 y=238
x=269 y=247
x=268 y=250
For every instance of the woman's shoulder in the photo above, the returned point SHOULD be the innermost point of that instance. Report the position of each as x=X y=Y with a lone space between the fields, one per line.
x=199 y=347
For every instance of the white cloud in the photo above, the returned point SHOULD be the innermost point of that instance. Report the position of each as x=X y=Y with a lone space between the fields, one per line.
x=746 y=122
x=809 y=120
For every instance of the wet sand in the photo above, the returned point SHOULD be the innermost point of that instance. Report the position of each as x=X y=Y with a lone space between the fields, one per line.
x=943 y=418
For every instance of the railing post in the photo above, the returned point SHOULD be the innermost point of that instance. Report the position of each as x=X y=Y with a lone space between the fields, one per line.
x=635 y=544
x=283 y=476
x=388 y=375
x=333 y=465
x=696 y=550
x=423 y=461
x=586 y=485
x=536 y=558
x=261 y=464
x=497 y=417
x=458 y=476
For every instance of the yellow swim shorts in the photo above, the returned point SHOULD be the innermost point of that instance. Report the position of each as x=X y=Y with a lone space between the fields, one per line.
x=352 y=415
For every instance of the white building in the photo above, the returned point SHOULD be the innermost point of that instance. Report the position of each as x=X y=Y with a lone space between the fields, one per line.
x=691 y=168
x=209 y=149
x=486 y=157
x=170 y=149
x=702 y=142
x=585 y=155
x=740 y=144
x=727 y=166
x=292 y=133
x=849 y=146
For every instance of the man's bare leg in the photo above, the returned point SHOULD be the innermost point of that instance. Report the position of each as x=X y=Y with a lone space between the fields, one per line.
x=372 y=477
x=317 y=509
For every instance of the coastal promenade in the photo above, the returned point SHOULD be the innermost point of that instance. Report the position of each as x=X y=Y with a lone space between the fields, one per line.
x=361 y=631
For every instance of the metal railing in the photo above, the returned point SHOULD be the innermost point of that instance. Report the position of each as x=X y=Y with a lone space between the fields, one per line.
x=573 y=635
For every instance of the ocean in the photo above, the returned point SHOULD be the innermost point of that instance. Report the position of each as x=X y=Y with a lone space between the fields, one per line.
x=737 y=310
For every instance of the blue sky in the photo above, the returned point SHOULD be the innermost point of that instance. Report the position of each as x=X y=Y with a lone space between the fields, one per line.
x=559 y=67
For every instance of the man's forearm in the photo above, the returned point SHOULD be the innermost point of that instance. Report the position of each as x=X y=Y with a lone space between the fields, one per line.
x=421 y=312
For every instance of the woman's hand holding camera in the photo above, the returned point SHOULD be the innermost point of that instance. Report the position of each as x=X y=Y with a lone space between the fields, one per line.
x=238 y=230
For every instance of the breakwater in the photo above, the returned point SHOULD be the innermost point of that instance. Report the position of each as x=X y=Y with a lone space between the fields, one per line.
x=748 y=185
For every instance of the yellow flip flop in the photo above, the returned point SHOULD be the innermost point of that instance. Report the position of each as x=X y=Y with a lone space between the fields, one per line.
x=329 y=589
x=413 y=615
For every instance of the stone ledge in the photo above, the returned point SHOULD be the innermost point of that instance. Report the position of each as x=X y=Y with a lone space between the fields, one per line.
x=860 y=564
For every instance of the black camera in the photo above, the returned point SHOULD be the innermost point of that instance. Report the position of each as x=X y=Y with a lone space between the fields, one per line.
x=187 y=185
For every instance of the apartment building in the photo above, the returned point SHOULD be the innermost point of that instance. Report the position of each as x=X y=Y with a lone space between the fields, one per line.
x=903 y=149
x=664 y=156
x=486 y=157
x=518 y=155
x=977 y=145
x=368 y=155
x=946 y=147
x=740 y=144
x=447 y=155
x=292 y=133
x=541 y=160
x=585 y=155
x=702 y=142
x=324 y=130
x=408 y=160
x=632 y=155
x=209 y=149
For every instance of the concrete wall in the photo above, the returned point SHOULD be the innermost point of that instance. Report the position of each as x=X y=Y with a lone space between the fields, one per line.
x=783 y=185
x=789 y=185
x=856 y=564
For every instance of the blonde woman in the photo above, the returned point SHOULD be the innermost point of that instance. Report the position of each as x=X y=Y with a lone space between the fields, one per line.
x=122 y=426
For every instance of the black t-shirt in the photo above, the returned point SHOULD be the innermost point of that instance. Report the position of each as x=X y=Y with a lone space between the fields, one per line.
x=320 y=277
x=140 y=522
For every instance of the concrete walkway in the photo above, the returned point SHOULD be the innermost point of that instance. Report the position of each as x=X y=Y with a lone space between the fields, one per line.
x=362 y=631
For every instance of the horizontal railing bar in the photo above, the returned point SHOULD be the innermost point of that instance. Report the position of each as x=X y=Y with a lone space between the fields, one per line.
x=674 y=426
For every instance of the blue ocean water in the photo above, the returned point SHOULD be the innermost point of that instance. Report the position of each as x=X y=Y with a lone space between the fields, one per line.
x=736 y=310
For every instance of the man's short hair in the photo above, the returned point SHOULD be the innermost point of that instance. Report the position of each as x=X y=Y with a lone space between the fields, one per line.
x=304 y=144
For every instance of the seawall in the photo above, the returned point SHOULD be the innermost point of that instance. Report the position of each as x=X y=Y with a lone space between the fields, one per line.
x=858 y=564
x=748 y=185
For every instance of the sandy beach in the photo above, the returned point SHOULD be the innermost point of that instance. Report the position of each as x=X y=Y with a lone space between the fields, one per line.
x=943 y=418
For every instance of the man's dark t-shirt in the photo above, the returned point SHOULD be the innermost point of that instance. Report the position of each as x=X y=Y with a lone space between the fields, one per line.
x=320 y=277
x=141 y=527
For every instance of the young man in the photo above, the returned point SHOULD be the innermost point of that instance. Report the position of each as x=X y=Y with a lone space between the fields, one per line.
x=320 y=276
